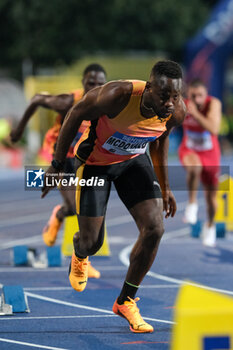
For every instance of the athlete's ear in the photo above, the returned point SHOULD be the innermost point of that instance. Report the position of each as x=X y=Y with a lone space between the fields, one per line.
x=148 y=85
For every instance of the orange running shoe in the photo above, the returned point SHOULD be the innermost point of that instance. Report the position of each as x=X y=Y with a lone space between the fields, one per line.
x=130 y=312
x=78 y=273
x=92 y=272
x=50 y=231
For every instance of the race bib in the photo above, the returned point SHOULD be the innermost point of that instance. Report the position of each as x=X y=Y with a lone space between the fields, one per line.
x=122 y=144
x=199 y=141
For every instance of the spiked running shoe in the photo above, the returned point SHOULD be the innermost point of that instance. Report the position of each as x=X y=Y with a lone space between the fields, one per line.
x=50 y=231
x=130 y=312
x=92 y=272
x=78 y=273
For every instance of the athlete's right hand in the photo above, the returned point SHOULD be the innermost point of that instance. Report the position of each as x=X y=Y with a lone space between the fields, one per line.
x=16 y=134
x=48 y=183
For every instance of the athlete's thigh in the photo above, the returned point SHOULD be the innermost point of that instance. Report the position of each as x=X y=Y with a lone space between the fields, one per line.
x=137 y=182
x=191 y=159
x=148 y=214
x=92 y=198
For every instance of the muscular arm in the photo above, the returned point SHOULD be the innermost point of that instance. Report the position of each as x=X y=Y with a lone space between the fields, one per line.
x=159 y=156
x=159 y=148
x=59 y=103
x=108 y=100
x=211 y=122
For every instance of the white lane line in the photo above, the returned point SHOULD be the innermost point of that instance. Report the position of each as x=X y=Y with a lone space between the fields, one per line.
x=124 y=254
x=178 y=281
x=30 y=344
x=26 y=219
x=21 y=241
x=66 y=303
x=124 y=258
x=52 y=317
x=157 y=320
x=159 y=286
x=57 y=269
x=70 y=288
x=56 y=301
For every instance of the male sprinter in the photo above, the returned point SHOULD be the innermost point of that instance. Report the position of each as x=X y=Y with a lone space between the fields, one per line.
x=94 y=75
x=199 y=152
x=127 y=115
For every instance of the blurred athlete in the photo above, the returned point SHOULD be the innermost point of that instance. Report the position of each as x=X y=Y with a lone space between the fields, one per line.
x=125 y=116
x=93 y=76
x=199 y=152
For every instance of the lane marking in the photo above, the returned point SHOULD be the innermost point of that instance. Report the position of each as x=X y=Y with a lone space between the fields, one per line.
x=124 y=258
x=30 y=344
x=26 y=219
x=57 y=269
x=53 y=317
x=146 y=342
x=70 y=288
x=66 y=303
x=123 y=219
x=79 y=306
x=159 y=286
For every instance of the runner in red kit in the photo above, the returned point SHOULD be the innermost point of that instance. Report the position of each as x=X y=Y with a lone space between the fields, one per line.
x=199 y=152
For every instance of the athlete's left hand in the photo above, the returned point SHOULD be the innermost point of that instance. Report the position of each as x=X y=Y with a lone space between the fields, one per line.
x=169 y=203
x=49 y=174
x=192 y=108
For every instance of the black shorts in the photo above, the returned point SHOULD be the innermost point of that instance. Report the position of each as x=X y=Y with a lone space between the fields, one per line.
x=134 y=180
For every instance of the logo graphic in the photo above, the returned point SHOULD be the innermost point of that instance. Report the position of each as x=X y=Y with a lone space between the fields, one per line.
x=35 y=178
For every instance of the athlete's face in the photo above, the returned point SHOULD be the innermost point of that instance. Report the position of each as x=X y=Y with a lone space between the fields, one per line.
x=198 y=95
x=165 y=95
x=92 y=80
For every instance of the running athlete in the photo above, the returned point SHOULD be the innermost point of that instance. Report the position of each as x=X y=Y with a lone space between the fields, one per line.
x=126 y=116
x=199 y=152
x=93 y=76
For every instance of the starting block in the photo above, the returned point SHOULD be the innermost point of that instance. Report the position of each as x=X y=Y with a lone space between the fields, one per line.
x=13 y=300
x=196 y=229
x=70 y=228
x=203 y=320
x=24 y=256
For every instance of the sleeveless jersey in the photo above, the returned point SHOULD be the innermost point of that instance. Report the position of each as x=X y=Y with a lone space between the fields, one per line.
x=126 y=135
x=195 y=136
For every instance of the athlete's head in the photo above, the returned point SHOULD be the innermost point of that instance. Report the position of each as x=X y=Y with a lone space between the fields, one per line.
x=164 y=87
x=94 y=75
x=197 y=92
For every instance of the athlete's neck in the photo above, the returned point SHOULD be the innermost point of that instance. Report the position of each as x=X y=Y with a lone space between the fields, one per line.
x=146 y=111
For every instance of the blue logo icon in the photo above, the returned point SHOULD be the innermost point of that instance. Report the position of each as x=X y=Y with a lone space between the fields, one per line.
x=35 y=178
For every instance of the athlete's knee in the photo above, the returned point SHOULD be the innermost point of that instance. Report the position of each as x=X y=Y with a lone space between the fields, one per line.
x=89 y=242
x=194 y=170
x=152 y=232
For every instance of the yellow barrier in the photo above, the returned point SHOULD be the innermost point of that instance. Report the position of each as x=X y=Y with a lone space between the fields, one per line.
x=225 y=202
x=204 y=320
x=70 y=228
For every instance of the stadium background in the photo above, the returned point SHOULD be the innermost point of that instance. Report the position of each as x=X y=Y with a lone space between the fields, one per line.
x=45 y=46
x=42 y=42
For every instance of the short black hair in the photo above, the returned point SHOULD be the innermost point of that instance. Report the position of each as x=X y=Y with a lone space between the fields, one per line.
x=168 y=68
x=94 y=67
x=196 y=83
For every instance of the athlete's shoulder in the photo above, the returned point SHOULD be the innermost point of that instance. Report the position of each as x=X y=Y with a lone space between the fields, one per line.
x=118 y=88
x=77 y=94
x=214 y=99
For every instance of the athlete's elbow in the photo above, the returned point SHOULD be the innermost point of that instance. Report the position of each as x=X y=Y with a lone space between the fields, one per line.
x=215 y=131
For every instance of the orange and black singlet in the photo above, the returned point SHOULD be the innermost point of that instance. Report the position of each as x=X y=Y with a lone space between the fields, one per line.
x=125 y=136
